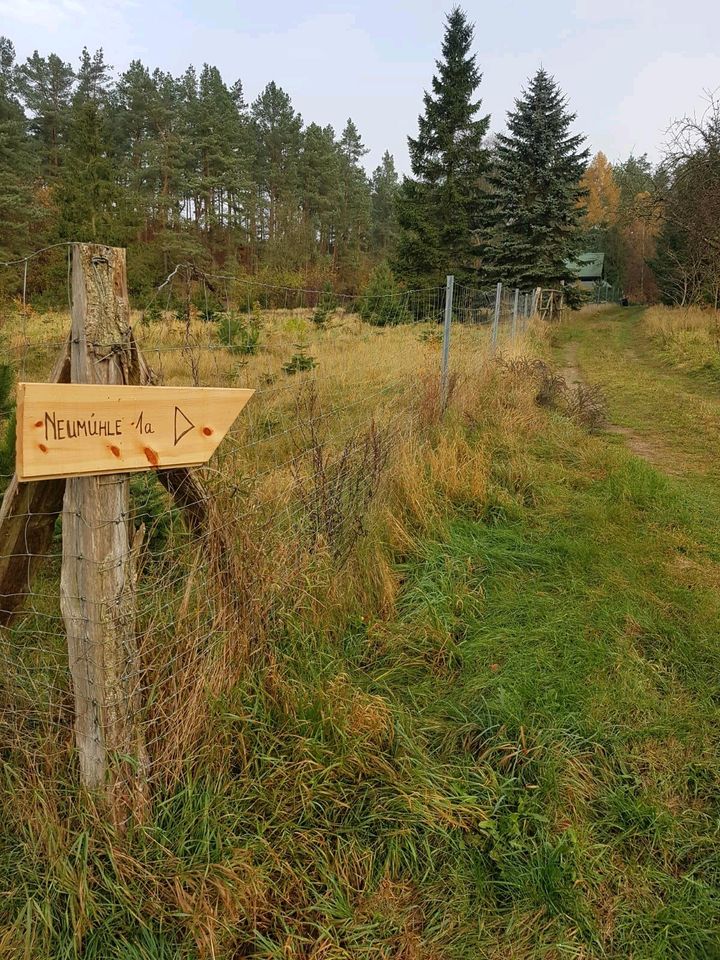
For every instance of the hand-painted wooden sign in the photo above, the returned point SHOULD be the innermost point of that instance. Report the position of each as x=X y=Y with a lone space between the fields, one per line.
x=76 y=429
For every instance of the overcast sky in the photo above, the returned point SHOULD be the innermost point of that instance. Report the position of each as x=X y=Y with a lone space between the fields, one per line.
x=627 y=66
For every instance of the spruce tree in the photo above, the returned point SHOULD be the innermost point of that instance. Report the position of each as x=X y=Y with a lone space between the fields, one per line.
x=440 y=206
x=535 y=215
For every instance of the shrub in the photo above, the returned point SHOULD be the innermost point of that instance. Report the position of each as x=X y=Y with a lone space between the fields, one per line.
x=585 y=404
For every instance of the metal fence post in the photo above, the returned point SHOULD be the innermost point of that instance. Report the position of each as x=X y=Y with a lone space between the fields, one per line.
x=496 y=319
x=445 y=370
x=515 y=311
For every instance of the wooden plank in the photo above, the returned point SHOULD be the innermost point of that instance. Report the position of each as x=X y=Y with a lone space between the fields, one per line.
x=75 y=430
x=27 y=521
x=98 y=576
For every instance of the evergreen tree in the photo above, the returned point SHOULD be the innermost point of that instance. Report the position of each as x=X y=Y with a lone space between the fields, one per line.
x=46 y=84
x=535 y=191
x=319 y=186
x=89 y=192
x=19 y=209
x=222 y=176
x=440 y=207
x=385 y=188
x=276 y=163
x=353 y=213
x=383 y=303
x=179 y=169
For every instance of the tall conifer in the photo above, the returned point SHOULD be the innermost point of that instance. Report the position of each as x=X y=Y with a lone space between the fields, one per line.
x=440 y=206
x=535 y=188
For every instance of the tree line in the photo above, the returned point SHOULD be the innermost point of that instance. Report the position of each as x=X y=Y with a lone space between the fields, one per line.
x=184 y=169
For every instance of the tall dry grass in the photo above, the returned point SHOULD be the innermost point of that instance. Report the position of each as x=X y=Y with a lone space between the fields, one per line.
x=218 y=695
x=687 y=337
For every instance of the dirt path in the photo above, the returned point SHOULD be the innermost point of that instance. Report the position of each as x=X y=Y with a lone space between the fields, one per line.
x=647 y=447
x=661 y=415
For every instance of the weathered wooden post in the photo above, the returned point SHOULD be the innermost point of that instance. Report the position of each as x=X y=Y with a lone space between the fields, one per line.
x=98 y=578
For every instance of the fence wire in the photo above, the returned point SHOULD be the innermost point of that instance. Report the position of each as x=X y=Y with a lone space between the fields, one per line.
x=340 y=382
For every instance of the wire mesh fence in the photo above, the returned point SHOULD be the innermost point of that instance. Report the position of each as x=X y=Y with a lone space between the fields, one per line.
x=198 y=568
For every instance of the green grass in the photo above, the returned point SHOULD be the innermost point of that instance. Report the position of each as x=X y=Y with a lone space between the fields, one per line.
x=522 y=762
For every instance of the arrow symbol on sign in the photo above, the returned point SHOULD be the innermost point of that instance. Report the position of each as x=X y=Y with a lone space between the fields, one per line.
x=183 y=425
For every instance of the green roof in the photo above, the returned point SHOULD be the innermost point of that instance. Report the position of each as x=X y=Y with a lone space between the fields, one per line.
x=588 y=266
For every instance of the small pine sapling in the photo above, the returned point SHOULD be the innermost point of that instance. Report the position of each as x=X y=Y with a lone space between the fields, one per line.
x=241 y=335
x=300 y=361
x=326 y=306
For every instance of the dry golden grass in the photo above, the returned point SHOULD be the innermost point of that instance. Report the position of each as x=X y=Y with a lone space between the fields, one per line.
x=662 y=320
x=688 y=337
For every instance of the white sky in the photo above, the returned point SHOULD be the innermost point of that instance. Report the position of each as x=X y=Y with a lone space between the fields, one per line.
x=628 y=66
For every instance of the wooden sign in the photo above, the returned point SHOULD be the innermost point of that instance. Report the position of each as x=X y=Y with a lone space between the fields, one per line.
x=77 y=429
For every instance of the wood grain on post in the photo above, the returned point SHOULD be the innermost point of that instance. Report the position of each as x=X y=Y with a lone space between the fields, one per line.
x=98 y=578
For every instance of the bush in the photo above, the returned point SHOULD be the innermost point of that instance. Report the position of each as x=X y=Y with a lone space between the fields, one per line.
x=383 y=302
x=240 y=334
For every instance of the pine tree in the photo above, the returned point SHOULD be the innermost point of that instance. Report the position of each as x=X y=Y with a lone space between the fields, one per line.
x=46 y=84
x=19 y=210
x=441 y=205
x=385 y=188
x=276 y=163
x=535 y=214
x=353 y=213
x=89 y=193
x=319 y=186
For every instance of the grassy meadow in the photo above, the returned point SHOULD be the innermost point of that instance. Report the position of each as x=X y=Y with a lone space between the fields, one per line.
x=468 y=707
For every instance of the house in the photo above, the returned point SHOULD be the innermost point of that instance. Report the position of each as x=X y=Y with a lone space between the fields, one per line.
x=589 y=269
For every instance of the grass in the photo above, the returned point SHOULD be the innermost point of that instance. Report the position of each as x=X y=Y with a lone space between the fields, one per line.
x=492 y=732
x=687 y=338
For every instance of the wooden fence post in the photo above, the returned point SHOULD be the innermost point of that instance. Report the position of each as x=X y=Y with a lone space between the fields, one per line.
x=98 y=578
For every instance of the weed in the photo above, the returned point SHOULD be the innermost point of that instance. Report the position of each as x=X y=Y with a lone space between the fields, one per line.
x=336 y=487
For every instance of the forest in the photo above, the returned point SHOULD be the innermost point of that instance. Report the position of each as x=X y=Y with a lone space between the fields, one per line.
x=184 y=169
